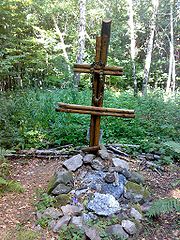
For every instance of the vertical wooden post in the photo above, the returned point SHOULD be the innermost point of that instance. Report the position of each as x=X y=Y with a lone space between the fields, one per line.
x=102 y=44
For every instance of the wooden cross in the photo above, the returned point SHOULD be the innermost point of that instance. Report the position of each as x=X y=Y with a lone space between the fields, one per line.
x=99 y=70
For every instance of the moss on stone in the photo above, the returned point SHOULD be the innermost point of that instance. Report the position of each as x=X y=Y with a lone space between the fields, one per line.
x=138 y=189
x=51 y=184
x=62 y=199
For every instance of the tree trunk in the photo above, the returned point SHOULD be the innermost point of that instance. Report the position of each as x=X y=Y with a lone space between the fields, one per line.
x=172 y=72
x=133 y=44
x=59 y=33
x=155 y=4
x=81 y=39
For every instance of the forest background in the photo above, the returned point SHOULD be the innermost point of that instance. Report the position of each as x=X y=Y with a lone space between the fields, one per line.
x=40 y=42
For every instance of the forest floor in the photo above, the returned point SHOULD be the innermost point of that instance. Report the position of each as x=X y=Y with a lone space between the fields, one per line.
x=17 y=210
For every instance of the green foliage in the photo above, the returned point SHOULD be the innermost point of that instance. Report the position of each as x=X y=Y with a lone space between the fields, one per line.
x=10 y=186
x=44 y=201
x=70 y=232
x=4 y=165
x=7 y=185
x=43 y=222
x=28 y=120
x=163 y=206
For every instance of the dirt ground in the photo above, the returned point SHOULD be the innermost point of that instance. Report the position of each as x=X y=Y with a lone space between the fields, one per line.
x=17 y=209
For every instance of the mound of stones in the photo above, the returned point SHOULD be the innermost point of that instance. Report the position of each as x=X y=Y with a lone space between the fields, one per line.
x=97 y=187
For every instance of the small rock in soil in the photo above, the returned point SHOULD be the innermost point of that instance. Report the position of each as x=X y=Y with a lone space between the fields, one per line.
x=136 y=214
x=77 y=222
x=60 y=223
x=120 y=163
x=92 y=233
x=117 y=230
x=103 y=204
x=129 y=226
x=71 y=210
x=97 y=164
x=88 y=158
x=137 y=178
x=73 y=163
x=146 y=206
x=52 y=213
x=52 y=224
x=104 y=154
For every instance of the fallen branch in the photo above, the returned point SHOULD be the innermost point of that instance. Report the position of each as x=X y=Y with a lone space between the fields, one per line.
x=117 y=151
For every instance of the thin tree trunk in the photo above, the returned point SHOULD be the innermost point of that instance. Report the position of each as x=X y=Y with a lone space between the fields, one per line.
x=172 y=72
x=81 y=38
x=133 y=44
x=62 y=42
x=155 y=4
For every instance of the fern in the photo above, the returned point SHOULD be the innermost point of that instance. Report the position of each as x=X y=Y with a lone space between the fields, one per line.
x=174 y=146
x=10 y=186
x=163 y=206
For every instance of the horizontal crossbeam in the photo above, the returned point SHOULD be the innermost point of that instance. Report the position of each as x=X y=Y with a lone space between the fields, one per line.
x=98 y=111
x=89 y=66
x=107 y=70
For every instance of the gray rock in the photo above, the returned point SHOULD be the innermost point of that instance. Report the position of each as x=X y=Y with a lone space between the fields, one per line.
x=134 y=197
x=89 y=216
x=97 y=164
x=62 y=222
x=92 y=233
x=120 y=163
x=129 y=226
x=61 y=177
x=123 y=171
x=88 y=158
x=52 y=213
x=135 y=214
x=92 y=178
x=117 y=230
x=77 y=222
x=39 y=215
x=137 y=198
x=109 y=178
x=52 y=224
x=146 y=206
x=73 y=163
x=104 y=154
x=71 y=210
x=61 y=189
x=80 y=192
x=103 y=204
x=137 y=178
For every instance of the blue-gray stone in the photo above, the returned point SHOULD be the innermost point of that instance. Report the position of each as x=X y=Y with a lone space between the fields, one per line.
x=93 y=178
x=116 y=191
x=103 y=204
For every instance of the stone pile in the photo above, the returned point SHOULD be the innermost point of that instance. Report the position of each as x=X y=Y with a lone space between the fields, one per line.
x=93 y=187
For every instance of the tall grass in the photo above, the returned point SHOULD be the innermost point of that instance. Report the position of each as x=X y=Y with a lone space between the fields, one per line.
x=28 y=119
